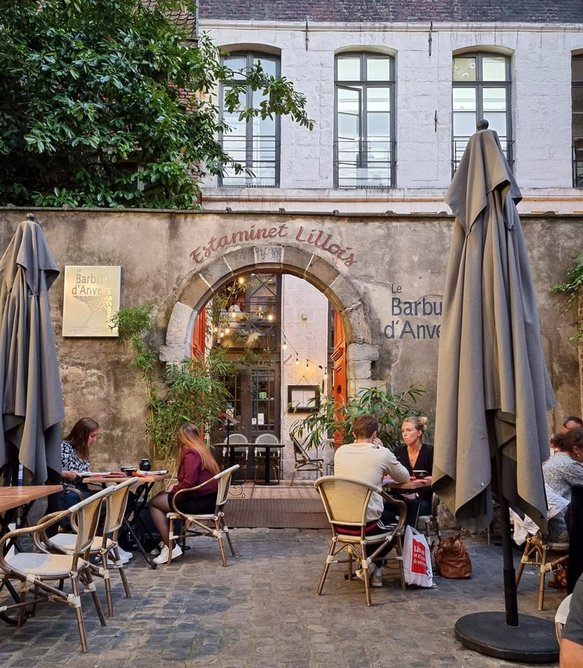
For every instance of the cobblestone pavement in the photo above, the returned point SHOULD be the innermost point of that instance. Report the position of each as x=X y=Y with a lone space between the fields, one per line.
x=262 y=611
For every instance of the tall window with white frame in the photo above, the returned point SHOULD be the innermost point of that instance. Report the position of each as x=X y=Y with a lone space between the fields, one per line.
x=253 y=143
x=365 y=126
x=577 y=119
x=481 y=89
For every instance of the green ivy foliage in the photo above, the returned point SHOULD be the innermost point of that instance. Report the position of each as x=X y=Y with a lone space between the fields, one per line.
x=111 y=104
x=191 y=391
x=571 y=288
x=391 y=408
x=574 y=281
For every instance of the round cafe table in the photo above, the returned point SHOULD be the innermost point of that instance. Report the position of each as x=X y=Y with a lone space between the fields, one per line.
x=268 y=447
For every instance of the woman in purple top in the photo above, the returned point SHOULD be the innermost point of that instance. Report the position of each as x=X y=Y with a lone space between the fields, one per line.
x=195 y=466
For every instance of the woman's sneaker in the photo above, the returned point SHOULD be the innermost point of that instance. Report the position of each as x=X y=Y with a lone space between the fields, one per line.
x=158 y=548
x=376 y=578
x=162 y=558
x=124 y=556
x=375 y=575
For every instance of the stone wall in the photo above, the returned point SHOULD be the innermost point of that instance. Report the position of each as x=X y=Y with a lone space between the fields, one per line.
x=384 y=273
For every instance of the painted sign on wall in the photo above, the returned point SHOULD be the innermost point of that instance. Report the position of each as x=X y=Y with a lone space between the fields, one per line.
x=317 y=238
x=413 y=319
x=91 y=297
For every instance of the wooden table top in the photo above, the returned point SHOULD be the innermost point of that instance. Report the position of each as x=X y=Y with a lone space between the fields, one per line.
x=103 y=480
x=12 y=497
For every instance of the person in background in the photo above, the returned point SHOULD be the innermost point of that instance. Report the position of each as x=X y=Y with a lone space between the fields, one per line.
x=415 y=455
x=195 y=465
x=553 y=444
x=572 y=636
x=571 y=422
x=368 y=460
x=563 y=469
x=561 y=472
x=75 y=461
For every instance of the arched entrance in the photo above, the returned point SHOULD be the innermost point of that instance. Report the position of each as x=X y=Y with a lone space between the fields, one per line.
x=199 y=286
x=355 y=368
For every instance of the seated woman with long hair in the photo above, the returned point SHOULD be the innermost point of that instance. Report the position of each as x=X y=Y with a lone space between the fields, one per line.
x=195 y=465
x=75 y=460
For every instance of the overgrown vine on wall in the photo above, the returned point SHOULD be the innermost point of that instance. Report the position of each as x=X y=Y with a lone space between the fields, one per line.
x=190 y=391
x=573 y=287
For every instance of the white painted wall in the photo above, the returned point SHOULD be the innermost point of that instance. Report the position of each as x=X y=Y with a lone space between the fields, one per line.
x=541 y=117
x=305 y=325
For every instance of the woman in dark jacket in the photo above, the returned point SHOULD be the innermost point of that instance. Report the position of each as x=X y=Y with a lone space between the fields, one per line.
x=416 y=456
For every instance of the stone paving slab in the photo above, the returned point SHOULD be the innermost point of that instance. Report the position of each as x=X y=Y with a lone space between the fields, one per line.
x=262 y=611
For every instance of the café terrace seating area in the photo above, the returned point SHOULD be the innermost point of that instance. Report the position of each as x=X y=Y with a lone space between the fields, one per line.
x=196 y=611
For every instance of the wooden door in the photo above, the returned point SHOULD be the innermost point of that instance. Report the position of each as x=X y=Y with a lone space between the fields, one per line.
x=339 y=362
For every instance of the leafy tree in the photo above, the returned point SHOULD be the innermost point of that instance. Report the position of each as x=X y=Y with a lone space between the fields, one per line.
x=110 y=103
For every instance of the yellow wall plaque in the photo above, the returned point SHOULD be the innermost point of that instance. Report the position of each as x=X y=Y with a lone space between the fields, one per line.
x=91 y=298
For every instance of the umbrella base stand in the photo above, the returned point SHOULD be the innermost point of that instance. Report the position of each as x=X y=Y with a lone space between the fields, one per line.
x=532 y=641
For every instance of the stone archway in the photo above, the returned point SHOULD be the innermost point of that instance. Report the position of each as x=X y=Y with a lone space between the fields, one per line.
x=199 y=286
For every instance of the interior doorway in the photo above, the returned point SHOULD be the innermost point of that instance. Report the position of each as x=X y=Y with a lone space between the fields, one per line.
x=287 y=344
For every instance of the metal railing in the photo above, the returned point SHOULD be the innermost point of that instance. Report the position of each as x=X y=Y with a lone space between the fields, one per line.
x=258 y=155
x=365 y=164
x=459 y=146
x=578 y=163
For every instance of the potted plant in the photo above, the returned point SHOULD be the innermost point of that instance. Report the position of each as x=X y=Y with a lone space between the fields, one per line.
x=188 y=391
x=330 y=420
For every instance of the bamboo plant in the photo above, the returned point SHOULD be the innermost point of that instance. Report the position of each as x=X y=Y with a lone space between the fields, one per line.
x=330 y=419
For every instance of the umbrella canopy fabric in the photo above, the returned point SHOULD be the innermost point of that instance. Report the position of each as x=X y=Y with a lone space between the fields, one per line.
x=30 y=386
x=493 y=389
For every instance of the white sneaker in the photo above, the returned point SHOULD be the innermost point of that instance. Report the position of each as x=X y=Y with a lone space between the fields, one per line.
x=158 y=548
x=376 y=578
x=124 y=560
x=125 y=555
x=162 y=558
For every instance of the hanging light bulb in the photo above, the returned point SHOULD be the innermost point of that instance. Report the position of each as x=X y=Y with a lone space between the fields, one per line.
x=270 y=317
x=241 y=280
x=307 y=364
x=297 y=361
x=284 y=346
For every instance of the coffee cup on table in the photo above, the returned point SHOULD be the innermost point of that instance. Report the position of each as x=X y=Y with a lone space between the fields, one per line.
x=420 y=473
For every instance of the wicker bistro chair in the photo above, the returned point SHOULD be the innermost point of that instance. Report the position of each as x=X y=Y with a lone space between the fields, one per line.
x=346 y=501
x=237 y=455
x=545 y=556
x=274 y=457
x=36 y=571
x=303 y=461
x=204 y=525
x=105 y=546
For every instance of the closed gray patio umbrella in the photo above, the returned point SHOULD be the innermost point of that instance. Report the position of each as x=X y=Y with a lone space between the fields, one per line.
x=493 y=390
x=30 y=387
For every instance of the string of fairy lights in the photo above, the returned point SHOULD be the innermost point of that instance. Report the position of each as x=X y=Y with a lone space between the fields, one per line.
x=286 y=343
x=222 y=331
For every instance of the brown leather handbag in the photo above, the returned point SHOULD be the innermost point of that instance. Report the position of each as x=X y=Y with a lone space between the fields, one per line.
x=452 y=558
